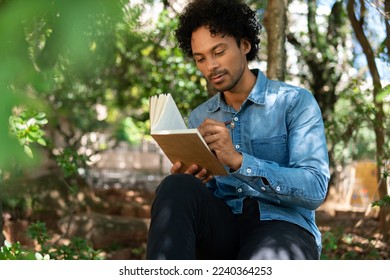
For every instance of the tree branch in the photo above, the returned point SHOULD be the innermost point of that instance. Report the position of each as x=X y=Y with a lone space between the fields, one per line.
x=384 y=13
x=357 y=25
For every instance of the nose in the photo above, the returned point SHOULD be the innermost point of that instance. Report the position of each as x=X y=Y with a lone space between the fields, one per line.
x=212 y=64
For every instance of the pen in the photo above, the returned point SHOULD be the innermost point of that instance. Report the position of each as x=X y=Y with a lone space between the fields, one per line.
x=230 y=122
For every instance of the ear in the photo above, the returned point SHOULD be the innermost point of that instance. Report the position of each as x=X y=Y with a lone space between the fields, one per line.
x=245 y=46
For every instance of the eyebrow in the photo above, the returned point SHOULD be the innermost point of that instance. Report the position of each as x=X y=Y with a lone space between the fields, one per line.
x=213 y=48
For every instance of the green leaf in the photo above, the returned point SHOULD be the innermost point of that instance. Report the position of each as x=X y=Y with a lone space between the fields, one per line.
x=41 y=121
x=42 y=142
x=40 y=116
x=383 y=94
x=28 y=151
x=34 y=135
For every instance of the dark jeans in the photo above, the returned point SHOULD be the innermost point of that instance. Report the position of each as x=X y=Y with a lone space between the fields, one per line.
x=189 y=222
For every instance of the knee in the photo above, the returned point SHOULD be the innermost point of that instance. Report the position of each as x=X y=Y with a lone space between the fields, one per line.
x=181 y=186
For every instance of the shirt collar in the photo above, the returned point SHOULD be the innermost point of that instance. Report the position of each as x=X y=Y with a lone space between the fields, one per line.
x=257 y=95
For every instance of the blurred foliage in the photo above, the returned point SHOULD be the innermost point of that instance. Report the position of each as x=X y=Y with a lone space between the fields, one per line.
x=77 y=249
x=349 y=128
x=385 y=202
x=341 y=245
x=71 y=161
x=14 y=252
x=323 y=52
x=45 y=44
x=27 y=128
x=150 y=63
x=90 y=65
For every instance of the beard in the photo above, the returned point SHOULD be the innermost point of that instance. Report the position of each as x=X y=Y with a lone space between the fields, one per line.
x=230 y=80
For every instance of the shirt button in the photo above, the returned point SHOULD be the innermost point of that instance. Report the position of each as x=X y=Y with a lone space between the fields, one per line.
x=235 y=119
x=278 y=188
x=263 y=189
x=249 y=170
x=237 y=147
x=239 y=190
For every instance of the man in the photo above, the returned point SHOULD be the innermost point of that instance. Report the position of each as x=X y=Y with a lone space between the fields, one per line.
x=273 y=146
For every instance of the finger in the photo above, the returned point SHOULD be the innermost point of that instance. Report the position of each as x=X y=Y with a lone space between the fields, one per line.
x=176 y=168
x=206 y=179
x=217 y=141
x=209 y=127
x=201 y=174
x=213 y=122
x=212 y=138
x=193 y=169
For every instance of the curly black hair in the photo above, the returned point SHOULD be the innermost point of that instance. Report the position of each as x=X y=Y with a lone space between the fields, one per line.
x=227 y=17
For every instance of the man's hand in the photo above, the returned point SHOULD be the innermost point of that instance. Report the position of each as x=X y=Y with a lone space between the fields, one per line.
x=217 y=136
x=194 y=169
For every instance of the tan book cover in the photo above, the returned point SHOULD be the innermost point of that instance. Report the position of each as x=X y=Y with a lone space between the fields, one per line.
x=178 y=142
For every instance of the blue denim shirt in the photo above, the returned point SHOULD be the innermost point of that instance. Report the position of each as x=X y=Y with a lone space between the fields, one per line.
x=280 y=133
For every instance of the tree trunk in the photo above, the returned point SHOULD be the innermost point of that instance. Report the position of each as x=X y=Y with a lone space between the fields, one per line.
x=384 y=215
x=275 y=23
x=387 y=24
x=2 y=238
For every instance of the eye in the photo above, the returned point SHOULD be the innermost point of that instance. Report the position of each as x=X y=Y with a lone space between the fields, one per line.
x=220 y=52
x=199 y=60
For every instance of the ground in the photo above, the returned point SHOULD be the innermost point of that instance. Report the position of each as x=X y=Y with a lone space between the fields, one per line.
x=347 y=233
x=350 y=233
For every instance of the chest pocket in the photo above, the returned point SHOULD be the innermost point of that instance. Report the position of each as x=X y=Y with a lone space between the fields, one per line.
x=272 y=149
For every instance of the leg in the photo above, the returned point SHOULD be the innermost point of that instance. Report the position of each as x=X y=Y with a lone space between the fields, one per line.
x=275 y=240
x=189 y=222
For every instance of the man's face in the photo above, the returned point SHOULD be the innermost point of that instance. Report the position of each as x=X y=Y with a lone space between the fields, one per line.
x=219 y=58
